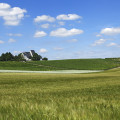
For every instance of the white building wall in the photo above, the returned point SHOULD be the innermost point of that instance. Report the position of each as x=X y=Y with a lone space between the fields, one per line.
x=31 y=53
x=25 y=57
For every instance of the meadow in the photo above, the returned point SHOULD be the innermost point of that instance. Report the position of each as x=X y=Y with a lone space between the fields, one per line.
x=81 y=64
x=13 y=65
x=70 y=64
x=94 y=96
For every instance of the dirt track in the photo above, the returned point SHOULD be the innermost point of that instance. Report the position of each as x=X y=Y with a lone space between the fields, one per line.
x=51 y=72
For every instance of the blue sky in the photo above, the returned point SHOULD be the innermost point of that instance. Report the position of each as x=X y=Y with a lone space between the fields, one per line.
x=64 y=29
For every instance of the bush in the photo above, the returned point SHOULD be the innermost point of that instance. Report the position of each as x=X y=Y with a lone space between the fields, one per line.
x=45 y=58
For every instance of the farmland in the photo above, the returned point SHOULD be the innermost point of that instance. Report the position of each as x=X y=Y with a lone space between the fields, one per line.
x=71 y=64
x=82 y=64
x=26 y=96
x=13 y=65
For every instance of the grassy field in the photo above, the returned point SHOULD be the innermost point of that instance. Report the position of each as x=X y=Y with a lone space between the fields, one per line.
x=94 y=96
x=12 y=65
x=72 y=64
x=81 y=64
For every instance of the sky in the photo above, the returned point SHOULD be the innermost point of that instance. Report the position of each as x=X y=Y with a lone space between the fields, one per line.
x=61 y=29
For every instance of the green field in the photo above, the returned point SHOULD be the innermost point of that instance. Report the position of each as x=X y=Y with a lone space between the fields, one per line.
x=71 y=64
x=13 y=65
x=81 y=64
x=94 y=96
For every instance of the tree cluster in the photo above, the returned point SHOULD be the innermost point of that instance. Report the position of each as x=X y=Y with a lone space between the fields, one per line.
x=10 y=57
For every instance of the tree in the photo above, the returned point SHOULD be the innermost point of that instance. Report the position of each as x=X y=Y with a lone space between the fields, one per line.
x=2 y=58
x=7 y=57
x=45 y=58
x=20 y=58
x=36 y=57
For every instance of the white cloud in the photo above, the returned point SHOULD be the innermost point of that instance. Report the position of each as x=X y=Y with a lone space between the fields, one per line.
x=110 y=31
x=1 y=42
x=4 y=6
x=45 y=25
x=73 y=40
x=18 y=35
x=40 y=34
x=112 y=44
x=11 y=40
x=68 y=17
x=58 y=48
x=99 y=42
x=11 y=16
x=43 y=50
x=44 y=18
x=61 y=23
x=62 y=32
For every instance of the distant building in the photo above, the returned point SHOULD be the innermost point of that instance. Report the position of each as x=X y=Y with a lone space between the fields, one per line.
x=32 y=52
x=28 y=55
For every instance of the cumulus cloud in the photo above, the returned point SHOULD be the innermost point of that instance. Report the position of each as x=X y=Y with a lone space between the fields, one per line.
x=43 y=50
x=62 y=32
x=99 y=42
x=44 y=18
x=73 y=40
x=11 y=40
x=4 y=6
x=58 y=48
x=68 y=17
x=110 y=31
x=1 y=42
x=18 y=35
x=11 y=16
x=40 y=34
x=45 y=25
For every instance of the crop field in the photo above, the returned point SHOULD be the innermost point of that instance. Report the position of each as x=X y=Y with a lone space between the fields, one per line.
x=71 y=64
x=12 y=65
x=81 y=64
x=34 y=96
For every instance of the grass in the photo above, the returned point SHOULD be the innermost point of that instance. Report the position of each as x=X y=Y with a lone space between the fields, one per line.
x=13 y=65
x=94 y=96
x=81 y=64
x=71 y=64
